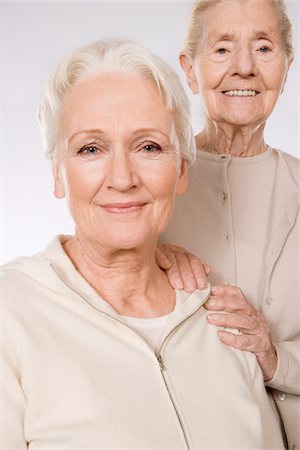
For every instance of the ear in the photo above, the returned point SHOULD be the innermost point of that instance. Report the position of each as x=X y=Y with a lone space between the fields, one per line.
x=183 y=179
x=187 y=66
x=59 y=190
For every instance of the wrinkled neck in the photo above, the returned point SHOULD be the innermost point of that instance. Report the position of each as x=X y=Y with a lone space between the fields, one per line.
x=130 y=281
x=232 y=140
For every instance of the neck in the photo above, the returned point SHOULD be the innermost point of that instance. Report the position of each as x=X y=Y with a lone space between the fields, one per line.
x=129 y=280
x=236 y=141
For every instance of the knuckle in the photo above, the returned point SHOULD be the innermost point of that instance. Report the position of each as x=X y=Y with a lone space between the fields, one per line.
x=243 y=302
x=182 y=258
x=247 y=322
x=172 y=258
x=188 y=276
x=173 y=271
x=195 y=260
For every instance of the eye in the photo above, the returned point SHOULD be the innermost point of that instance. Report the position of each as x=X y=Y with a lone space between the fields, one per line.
x=89 y=150
x=151 y=148
x=265 y=49
x=221 y=51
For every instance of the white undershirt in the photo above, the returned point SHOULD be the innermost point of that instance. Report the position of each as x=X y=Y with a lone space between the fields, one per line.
x=151 y=329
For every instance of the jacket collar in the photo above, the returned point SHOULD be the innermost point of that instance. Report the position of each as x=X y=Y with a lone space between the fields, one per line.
x=68 y=279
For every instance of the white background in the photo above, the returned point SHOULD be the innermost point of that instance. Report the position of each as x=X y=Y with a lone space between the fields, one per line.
x=34 y=36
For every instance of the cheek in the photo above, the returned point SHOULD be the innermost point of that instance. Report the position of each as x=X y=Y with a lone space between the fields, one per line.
x=274 y=74
x=163 y=181
x=82 y=181
x=210 y=74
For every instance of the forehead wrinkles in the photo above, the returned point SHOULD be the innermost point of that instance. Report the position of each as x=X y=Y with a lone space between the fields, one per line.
x=249 y=34
x=208 y=35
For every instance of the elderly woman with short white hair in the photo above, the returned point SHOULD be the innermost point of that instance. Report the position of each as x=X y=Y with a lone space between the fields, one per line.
x=99 y=351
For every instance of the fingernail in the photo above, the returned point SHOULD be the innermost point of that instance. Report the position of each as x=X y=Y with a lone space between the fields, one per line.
x=214 y=289
x=213 y=317
x=178 y=284
x=211 y=302
x=191 y=286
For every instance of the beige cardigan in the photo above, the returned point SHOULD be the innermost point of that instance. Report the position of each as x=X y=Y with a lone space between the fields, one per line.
x=76 y=376
x=202 y=223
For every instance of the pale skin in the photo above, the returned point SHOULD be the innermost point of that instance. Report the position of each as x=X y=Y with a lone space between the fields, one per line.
x=240 y=69
x=119 y=166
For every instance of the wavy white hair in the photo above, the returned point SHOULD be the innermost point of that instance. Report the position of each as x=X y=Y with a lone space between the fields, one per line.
x=121 y=56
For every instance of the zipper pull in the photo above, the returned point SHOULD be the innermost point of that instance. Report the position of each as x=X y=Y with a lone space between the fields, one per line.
x=161 y=363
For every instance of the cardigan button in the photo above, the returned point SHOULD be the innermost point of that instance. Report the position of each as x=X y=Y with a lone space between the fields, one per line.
x=269 y=300
x=281 y=396
x=224 y=197
x=294 y=447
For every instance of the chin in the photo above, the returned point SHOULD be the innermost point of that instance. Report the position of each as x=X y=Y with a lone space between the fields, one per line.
x=129 y=241
x=242 y=120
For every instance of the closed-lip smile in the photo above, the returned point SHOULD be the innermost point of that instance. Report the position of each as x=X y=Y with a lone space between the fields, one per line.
x=123 y=208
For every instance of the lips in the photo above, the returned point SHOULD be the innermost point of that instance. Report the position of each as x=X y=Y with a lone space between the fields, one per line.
x=240 y=93
x=123 y=208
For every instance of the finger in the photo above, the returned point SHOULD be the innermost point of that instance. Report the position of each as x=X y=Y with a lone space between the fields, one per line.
x=186 y=272
x=199 y=272
x=173 y=274
x=162 y=259
x=226 y=304
x=235 y=340
x=226 y=290
x=240 y=341
x=231 y=298
x=244 y=323
x=207 y=269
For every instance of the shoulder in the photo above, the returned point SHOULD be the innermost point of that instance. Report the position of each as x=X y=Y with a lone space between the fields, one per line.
x=292 y=161
x=19 y=279
x=24 y=275
x=32 y=266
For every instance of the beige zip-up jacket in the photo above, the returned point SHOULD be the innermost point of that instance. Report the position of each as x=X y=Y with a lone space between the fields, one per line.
x=75 y=376
x=202 y=223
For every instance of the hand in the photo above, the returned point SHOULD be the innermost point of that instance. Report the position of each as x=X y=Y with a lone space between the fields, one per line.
x=184 y=270
x=255 y=335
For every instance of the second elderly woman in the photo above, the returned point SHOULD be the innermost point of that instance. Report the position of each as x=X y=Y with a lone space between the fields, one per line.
x=241 y=214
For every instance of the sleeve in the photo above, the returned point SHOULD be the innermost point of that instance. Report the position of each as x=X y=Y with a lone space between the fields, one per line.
x=12 y=396
x=287 y=375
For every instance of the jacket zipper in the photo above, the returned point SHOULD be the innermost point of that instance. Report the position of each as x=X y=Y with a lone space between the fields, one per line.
x=163 y=369
x=158 y=355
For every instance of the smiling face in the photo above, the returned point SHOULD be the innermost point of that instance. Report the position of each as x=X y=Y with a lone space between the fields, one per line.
x=121 y=168
x=240 y=67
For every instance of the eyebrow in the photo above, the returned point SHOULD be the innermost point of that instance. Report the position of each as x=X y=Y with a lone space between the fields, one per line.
x=216 y=37
x=99 y=131
x=91 y=131
x=263 y=34
x=222 y=37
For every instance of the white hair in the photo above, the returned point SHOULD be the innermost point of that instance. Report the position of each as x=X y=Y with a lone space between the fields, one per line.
x=121 y=56
x=197 y=20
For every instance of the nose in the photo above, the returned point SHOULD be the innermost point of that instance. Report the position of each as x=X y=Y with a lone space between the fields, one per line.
x=122 y=173
x=243 y=64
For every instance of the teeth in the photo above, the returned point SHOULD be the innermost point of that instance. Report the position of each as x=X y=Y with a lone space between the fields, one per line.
x=239 y=93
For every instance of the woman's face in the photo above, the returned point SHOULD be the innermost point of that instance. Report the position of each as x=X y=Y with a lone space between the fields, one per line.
x=121 y=169
x=240 y=67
